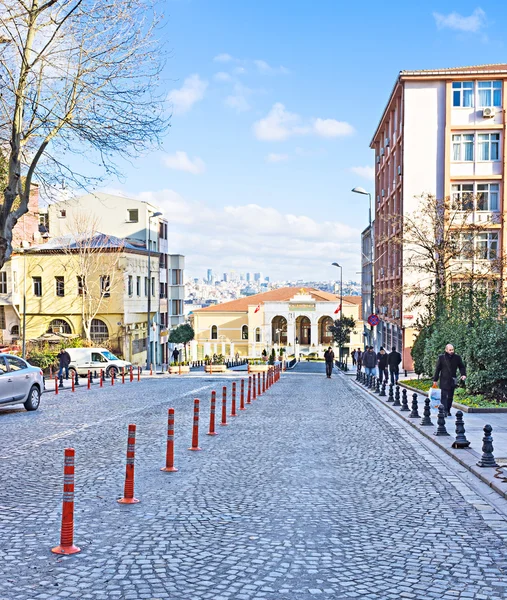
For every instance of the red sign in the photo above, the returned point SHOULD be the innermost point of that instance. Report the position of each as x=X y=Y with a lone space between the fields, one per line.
x=373 y=320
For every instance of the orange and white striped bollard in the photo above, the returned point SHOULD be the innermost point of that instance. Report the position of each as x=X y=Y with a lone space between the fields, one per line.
x=195 y=427
x=233 y=402
x=212 y=411
x=128 y=490
x=224 y=406
x=67 y=530
x=169 y=455
x=242 y=395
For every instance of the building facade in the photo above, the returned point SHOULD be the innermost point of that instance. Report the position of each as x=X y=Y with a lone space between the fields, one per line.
x=443 y=133
x=134 y=221
x=297 y=320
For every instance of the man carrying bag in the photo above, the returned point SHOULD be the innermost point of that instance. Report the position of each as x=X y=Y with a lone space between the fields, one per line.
x=445 y=370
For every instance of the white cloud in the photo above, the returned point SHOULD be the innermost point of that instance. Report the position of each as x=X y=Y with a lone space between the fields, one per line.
x=275 y=158
x=473 y=23
x=222 y=76
x=240 y=70
x=191 y=92
x=248 y=236
x=180 y=161
x=223 y=58
x=265 y=68
x=365 y=172
x=332 y=128
x=280 y=124
x=238 y=100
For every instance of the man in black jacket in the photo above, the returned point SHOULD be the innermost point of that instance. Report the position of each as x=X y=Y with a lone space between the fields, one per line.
x=393 y=362
x=382 y=364
x=329 y=358
x=446 y=368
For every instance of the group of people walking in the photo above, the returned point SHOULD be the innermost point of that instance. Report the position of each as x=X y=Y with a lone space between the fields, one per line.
x=388 y=364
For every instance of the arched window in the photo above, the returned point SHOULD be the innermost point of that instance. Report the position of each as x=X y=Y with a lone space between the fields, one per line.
x=258 y=334
x=59 y=326
x=214 y=332
x=15 y=330
x=99 y=331
x=244 y=332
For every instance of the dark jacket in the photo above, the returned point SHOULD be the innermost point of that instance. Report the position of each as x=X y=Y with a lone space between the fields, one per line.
x=382 y=360
x=393 y=361
x=446 y=369
x=329 y=356
x=64 y=359
x=359 y=357
x=369 y=359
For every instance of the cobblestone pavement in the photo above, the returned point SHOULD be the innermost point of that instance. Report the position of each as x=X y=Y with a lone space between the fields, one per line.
x=312 y=492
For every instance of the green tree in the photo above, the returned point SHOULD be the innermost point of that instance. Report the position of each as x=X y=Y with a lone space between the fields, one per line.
x=183 y=334
x=342 y=329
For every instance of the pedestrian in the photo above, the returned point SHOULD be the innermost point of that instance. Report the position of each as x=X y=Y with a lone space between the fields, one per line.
x=393 y=362
x=354 y=361
x=369 y=361
x=382 y=357
x=329 y=358
x=63 y=363
x=359 y=359
x=176 y=354
x=445 y=370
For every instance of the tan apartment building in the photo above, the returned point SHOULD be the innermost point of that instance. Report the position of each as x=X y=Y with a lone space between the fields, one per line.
x=442 y=132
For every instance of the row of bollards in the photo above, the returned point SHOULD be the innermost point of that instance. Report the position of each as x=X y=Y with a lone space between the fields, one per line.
x=74 y=378
x=66 y=545
x=377 y=386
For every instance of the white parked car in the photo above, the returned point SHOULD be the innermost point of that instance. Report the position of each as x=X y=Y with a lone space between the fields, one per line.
x=83 y=360
x=20 y=383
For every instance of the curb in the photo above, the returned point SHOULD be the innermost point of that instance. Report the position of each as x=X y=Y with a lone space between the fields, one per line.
x=469 y=453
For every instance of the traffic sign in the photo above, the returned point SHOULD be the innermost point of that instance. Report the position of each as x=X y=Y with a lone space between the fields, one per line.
x=373 y=320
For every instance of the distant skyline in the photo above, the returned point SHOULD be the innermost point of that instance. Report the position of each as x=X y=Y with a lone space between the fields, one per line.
x=273 y=108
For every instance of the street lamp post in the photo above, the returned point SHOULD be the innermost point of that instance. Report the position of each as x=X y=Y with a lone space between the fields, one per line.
x=148 y=349
x=360 y=190
x=341 y=306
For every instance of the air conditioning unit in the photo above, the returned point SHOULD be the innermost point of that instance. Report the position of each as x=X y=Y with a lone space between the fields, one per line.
x=397 y=314
x=399 y=169
x=381 y=151
x=488 y=112
x=378 y=159
x=383 y=193
x=387 y=141
x=381 y=270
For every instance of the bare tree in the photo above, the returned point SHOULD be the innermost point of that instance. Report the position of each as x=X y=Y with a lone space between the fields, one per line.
x=94 y=258
x=76 y=77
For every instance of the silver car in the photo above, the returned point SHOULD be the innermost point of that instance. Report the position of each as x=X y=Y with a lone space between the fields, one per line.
x=20 y=383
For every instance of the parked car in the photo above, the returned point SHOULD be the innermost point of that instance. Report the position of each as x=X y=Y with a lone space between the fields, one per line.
x=83 y=360
x=20 y=383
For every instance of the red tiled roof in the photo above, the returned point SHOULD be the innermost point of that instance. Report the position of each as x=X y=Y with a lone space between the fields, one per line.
x=279 y=295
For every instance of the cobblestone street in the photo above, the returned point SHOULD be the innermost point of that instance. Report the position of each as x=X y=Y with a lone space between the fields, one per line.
x=314 y=491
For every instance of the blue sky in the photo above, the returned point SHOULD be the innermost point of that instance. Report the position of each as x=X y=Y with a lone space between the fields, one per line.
x=274 y=104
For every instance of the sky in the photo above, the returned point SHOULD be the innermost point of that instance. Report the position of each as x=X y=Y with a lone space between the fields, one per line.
x=273 y=106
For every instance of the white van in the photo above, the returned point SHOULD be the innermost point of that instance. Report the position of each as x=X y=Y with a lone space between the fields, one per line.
x=83 y=360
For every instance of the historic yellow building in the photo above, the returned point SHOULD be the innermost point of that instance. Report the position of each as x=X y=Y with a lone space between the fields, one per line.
x=296 y=319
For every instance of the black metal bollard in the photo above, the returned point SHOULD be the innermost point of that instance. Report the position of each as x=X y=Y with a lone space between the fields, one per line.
x=60 y=382
x=372 y=382
x=426 y=420
x=404 y=401
x=383 y=390
x=415 y=408
x=76 y=379
x=461 y=440
x=391 y=396
x=397 y=396
x=441 y=430
x=487 y=458
x=358 y=375
x=377 y=386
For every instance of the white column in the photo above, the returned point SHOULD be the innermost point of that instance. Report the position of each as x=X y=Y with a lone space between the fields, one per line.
x=232 y=349
x=314 y=335
x=193 y=349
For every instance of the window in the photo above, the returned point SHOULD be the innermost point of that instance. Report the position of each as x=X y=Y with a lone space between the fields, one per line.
x=177 y=277
x=131 y=286
x=177 y=306
x=488 y=195
x=463 y=147
x=15 y=281
x=214 y=332
x=488 y=146
x=132 y=215
x=15 y=331
x=15 y=363
x=463 y=93
x=258 y=334
x=138 y=286
x=59 y=326
x=145 y=286
x=153 y=287
x=463 y=196
x=60 y=286
x=163 y=261
x=98 y=331
x=244 y=332
x=2 y=317
x=81 y=285
x=3 y=365
x=105 y=286
x=37 y=286
x=3 y=282
x=62 y=213
x=489 y=93
x=486 y=246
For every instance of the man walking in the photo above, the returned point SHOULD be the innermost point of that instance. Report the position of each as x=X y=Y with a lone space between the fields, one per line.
x=329 y=358
x=359 y=359
x=354 y=362
x=445 y=370
x=63 y=363
x=393 y=362
x=382 y=357
x=369 y=361
x=176 y=354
